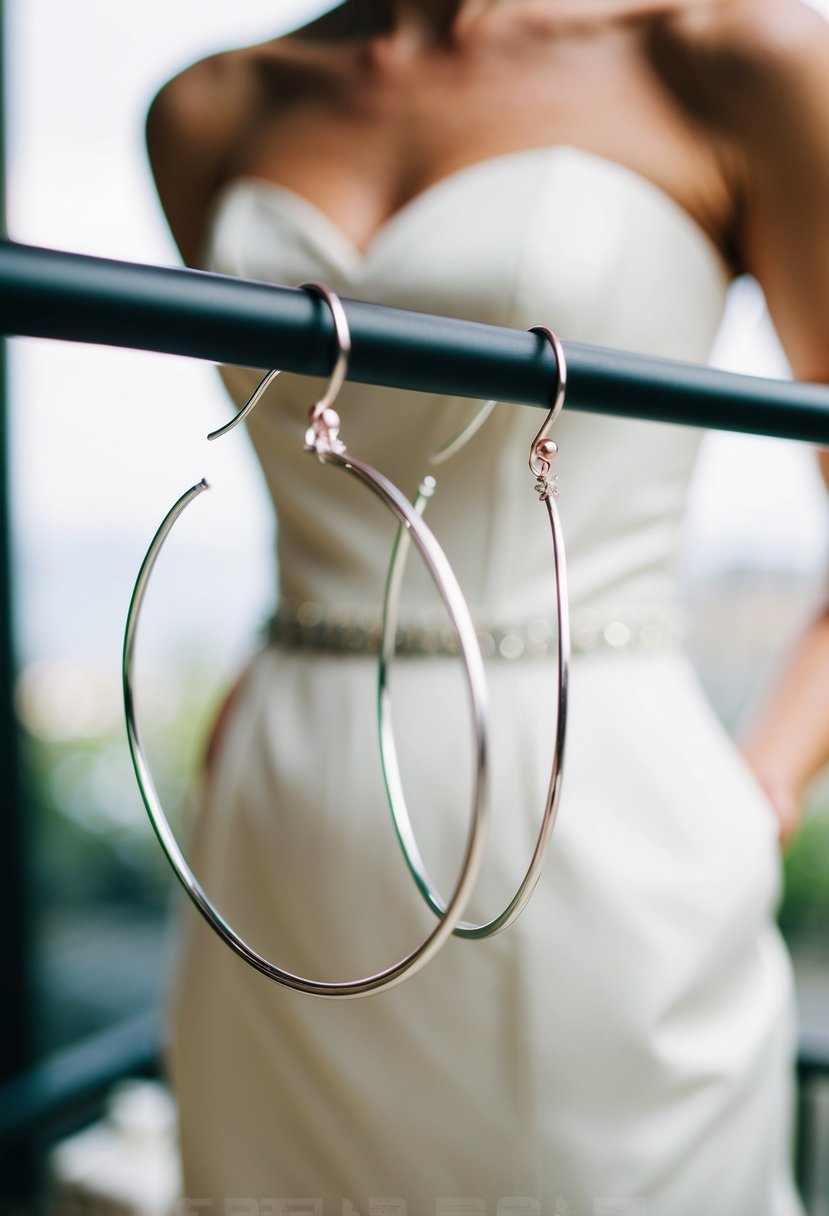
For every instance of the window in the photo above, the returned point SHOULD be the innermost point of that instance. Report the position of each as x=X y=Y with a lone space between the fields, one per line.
x=102 y=442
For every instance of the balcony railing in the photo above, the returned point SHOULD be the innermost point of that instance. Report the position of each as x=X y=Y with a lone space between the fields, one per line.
x=47 y=294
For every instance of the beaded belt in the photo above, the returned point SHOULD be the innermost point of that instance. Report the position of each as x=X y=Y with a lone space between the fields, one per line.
x=309 y=626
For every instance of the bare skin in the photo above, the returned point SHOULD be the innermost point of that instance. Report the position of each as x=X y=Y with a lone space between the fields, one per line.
x=723 y=104
x=360 y=125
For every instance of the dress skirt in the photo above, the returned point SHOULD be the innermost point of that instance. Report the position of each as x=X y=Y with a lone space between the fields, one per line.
x=625 y=1047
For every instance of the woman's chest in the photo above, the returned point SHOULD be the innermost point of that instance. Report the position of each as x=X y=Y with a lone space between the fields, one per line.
x=363 y=146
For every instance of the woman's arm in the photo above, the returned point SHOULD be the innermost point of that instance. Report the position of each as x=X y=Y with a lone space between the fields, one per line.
x=194 y=128
x=787 y=743
x=757 y=73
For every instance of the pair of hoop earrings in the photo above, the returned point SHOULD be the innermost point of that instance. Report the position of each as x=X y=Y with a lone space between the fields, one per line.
x=323 y=440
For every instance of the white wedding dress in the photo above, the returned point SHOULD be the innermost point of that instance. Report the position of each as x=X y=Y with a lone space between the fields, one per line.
x=626 y=1046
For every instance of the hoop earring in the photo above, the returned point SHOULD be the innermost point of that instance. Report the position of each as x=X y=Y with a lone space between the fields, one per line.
x=542 y=451
x=323 y=440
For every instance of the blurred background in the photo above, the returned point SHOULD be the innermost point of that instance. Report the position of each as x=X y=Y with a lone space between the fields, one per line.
x=102 y=441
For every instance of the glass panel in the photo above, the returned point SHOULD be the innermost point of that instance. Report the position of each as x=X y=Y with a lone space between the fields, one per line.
x=102 y=443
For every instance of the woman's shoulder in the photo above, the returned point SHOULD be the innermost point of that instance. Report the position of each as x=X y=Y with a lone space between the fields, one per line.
x=201 y=120
x=739 y=45
x=757 y=74
x=197 y=95
x=208 y=84
x=232 y=84
x=193 y=123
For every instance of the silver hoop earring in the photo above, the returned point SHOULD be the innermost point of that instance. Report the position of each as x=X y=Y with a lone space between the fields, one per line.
x=542 y=451
x=323 y=440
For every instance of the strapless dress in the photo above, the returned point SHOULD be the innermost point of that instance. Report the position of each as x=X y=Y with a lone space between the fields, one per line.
x=626 y=1046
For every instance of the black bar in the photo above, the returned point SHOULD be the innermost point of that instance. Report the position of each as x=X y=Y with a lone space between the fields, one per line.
x=49 y=294
x=15 y=1005
x=16 y=1167
x=813 y=1052
x=804 y=1145
x=66 y=1084
x=812 y=1068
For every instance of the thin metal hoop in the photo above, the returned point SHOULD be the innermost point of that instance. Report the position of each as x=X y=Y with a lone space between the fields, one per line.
x=252 y=400
x=541 y=453
x=470 y=428
x=329 y=449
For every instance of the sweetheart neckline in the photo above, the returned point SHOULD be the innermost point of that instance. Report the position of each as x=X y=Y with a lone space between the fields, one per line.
x=362 y=256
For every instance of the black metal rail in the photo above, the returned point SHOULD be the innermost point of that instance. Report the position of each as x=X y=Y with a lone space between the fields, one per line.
x=73 y=1080
x=48 y=294
x=15 y=909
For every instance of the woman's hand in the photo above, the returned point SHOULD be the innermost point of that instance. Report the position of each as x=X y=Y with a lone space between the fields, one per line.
x=784 y=799
x=787 y=745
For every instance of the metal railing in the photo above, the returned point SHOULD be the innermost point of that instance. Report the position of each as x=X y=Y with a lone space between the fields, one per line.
x=75 y=1079
x=47 y=294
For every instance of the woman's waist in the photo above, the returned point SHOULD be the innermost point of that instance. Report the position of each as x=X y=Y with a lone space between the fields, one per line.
x=357 y=629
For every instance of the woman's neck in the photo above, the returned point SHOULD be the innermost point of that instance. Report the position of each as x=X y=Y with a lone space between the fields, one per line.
x=435 y=18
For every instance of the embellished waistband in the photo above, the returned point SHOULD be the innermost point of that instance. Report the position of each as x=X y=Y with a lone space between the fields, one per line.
x=310 y=626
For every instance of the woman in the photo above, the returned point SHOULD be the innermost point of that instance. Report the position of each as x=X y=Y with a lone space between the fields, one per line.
x=603 y=168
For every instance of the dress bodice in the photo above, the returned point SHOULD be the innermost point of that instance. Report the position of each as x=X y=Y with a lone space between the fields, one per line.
x=548 y=236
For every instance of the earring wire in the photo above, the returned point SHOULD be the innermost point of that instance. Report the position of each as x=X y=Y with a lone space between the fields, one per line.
x=542 y=451
x=323 y=439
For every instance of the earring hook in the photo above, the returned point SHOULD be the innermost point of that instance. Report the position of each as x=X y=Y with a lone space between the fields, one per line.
x=543 y=449
x=324 y=421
